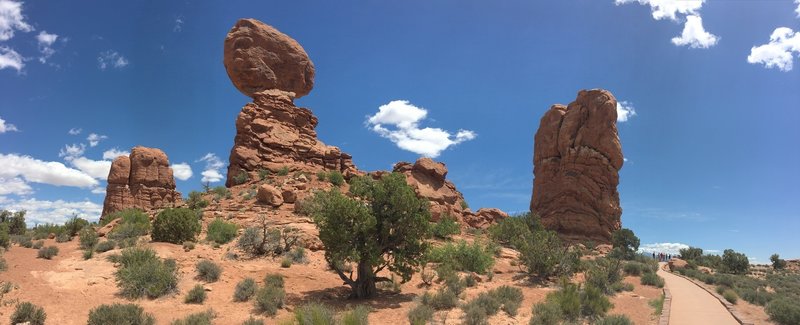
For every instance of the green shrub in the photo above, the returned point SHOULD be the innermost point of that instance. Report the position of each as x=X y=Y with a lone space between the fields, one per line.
x=88 y=238
x=245 y=289
x=298 y=255
x=777 y=262
x=444 y=298
x=604 y=274
x=356 y=316
x=241 y=178
x=314 y=313
x=621 y=286
x=515 y=229
x=730 y=296
x=271 y=297
x=87 y=254
x=142 y=273
x=336 y=178
x=614 y=320
x=593 y=302
x=734 y=262
x=127 y=314
x=657 y=304
x=283 y=171
x=30 y=313
x=544 y=255
x=208 y=271
x=196 y=201
x=134 y=224
x=322 y=175
x=5 y=238
x=485 y=301
x=263 y=173
x=509 y=297
x=176 y=226
x=784 y=311
x=196 y=296
x=14 y=220
x=446 y=227
x=691 y=253
x=634 y=268
x=3 y=265
x=220 y=231
x=626 y=242
x=37 y=245
x=63 y=238
x=105 y=246
x=568 y=300
x=475 y=257
x=420 y=314
x=286 y=262
x=201 y=318
x=74 y=225
x=221 y=192
x=475 y=315
x=652 y=279
x=47 y=252
x=274 y=280
x=546 y=313
x=253 y=321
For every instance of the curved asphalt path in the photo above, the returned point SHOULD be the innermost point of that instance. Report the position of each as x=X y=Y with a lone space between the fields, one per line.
x=693 y=305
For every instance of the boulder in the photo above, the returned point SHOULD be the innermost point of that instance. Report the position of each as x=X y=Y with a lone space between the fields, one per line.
x=268 y=194
x=144 y=181
x=258 y=57
x=288 y=196
x=577 y=158
x=677 y=263
x=427 y=178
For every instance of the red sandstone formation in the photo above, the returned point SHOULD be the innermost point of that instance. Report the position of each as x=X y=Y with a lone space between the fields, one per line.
x=577 y=157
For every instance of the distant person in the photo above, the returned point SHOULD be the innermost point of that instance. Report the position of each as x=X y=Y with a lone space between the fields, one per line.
x=654 y=255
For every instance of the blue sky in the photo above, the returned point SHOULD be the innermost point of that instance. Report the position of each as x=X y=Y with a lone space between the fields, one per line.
x=712 y=150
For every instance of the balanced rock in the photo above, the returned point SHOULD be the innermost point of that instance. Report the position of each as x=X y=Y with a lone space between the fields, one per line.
x=143 y=180
x=577 y=158
x=258 y=57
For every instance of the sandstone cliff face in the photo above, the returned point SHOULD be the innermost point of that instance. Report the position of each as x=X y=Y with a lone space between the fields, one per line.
x=143 y=180
x=272 y=133
x=577 y=157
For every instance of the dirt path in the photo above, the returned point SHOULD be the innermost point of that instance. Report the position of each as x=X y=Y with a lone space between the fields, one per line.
x=693 y=305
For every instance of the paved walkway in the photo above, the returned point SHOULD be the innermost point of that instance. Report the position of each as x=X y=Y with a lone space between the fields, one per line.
x=693 y=305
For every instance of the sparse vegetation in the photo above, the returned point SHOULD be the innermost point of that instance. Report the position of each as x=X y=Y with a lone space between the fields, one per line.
x=691 y=253
x=196 y=201
x=657 y=304
x=271 y=297
x=263 y=173
x=614 y=320
x=253 y=321
x=777 y=262
x=264 y=240
x=444 y=298
x=314 y=313
x=201 y=318
x=195 y=296
x=15 y=221
x=105 y=246
x=476 y=257
x=143 y=273
x=605 y=275
x=730 y=296
x=336 y=178
x=283 y=171
x=652 y=279
x=322 y=176
x=446 y=227
x=74 y=225
x=88 y=238
x=245 y=290
x=208 y=271
x=128 y=314
x=47 y=252
x=784 y=311
x=356 y=316
x=241 y=178
x=220 y=231
x=175 y=225
x=5 y=238
x=286 y=262
x=29 y=313
x=420 y=314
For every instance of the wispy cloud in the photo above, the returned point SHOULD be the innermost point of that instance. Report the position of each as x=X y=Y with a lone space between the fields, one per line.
x=113 y=153
x=694 y=34
x=11 y=59
x=46 y=41
x=75 y=131
x=14 y=185
x=625 y=111
x=111 y=59
x=783 y=46
x=12 y=19
x=212 y=173
x=7 y=127
x=70 y=152
x=178 y=24
x=95 y=139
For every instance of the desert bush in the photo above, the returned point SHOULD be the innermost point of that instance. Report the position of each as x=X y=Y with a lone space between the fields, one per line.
x=784 y=311
x=730 y=296
x=221 y=192
x=220 y=231
x=634 y=268
x=546 y=313
x=626 y=241
x=593 y=302
x=14 y=220
x=37 y=245
x=175 y=225
x=614 y=320
x=87 y=254
x=336 y=178
x=3 y=266
x=29 y=313
x=604 y=275
x=475 y=315
x=286 y=262
x=356 y=316
x=201 y=318
x=544 y=255
x=274 y=280
x=657 y=304
x=479 y=309
x=143 y=273
x=652 y=279
x=245 y=289
x=263 y=173
x=476 y=257
x=691 y=253
x=126 y=215
x=74 y=225
x=283 y=171
x=195 y=296
x=427 y=276
x=264 y=240
x=322 y=175
x=241 y=178
x=47 y=252
x=63 y=238
x=269 y=299
x=208 y=271
x=420 y=314
x=734 y=262
x=509 y=297
x=446 y=227
x=134 y=224
x=253 y=321
x=5 y=238
x=196 y=201
x=314 y=313
x=621 y=286
x=444 y=298
x=127 y=314
x=105 y=246
x=88 y=238
x=777 y=262
x=298 y=255
x=515 y=229
x=568 y=300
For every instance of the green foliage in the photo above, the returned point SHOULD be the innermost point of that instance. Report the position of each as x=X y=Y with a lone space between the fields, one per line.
x=87 y=254
x=420 y=314
x=593 y=302
x=74 y=225
x=546 y=313
x=201 y=318
x=241 y=178
x=263 y=240
x=283 y=171
x=245 y=290
x=5 y=238
x=271 y=297
x=29 y=313
x=635 y=268
x=208 y=271
x=336 y=178
x=730 y=296
x=143 y=273
x=516 y=229
x=652 y=279
x=657 y=304
x=220 y=231
x=195 y=296
x=544 y=255
x=88 y=238
x=63 y=238
x=322 y=175
x=509 y=297
x=188 y=245
x=286 y=262
x=474 y=314
x=133 y=224
x=298 y=255
x=777 y=262
x=388 y=232
x=356 y=316
x=444 y=298
x=105 y=246
x=315 y=313
x=253 y=321
x=626 y=241
x=614 y=320
x=734 y=262
x=476 y=257
x=568 y=300
x=221 y=192
x=127 y=314
x=14 y=220
x=47 y=252
x=446 y=227
x=784 y=311
x=196 y=201
x=175 y=226
x=691 y=253
x=604 y=275
x=3 y=265
x=263 y=173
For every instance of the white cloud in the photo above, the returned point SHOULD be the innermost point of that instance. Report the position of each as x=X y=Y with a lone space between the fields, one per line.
x=45 y=172
x=14 y=185
x=798 y=7
x=11 y=19
x=667 y=248
x=694 y=35
x=407 y=134
x=668 y=8
x=11 y=59
x=59 y=211
x=113 y=153
x=182 y=171
x=6 y=127
x=98 y=190
x=46 y=41
x=70 y=152
x=625 y=110
x=96 y=168
x=75 y=131
x=95 y=138
x=178 y=24
x=779 y=53
x=111 y=59
x=212 y=172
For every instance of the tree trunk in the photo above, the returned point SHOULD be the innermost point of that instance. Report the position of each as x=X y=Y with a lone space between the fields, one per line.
x=364 y=286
